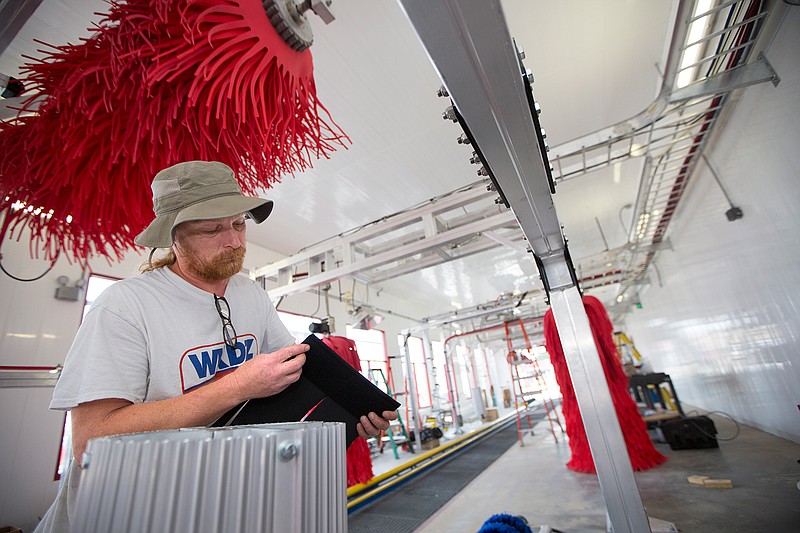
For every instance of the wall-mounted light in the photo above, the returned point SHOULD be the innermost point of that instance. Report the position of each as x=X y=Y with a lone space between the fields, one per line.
x=65 y=292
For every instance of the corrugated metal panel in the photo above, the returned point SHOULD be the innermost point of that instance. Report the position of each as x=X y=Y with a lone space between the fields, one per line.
x=269 y=477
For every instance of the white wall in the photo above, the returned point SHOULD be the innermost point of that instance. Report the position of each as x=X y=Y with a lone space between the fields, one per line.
x=35 y=330
x=725 y=322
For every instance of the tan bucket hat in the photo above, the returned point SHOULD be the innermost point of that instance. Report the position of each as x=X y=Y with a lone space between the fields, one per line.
x=196 y=190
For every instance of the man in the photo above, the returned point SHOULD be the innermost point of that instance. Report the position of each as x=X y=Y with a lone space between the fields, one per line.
x=187 y=340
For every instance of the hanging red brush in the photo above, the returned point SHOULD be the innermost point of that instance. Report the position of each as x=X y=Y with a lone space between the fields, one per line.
x=159 y=82
x=641 y=451
x=359 y=458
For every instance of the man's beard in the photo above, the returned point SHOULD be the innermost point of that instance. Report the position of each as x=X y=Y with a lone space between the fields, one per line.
x=221 y=267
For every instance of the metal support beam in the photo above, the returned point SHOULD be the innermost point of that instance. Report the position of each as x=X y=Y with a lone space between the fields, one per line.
x=442 y=229
x=350 y=268
x=729 y=80
x=427 y=347
x=614 y=471
x=514 y=245
x=443 y=204
x=469 y=45
x=478 y=62
x=415 y=264
x=411 y=386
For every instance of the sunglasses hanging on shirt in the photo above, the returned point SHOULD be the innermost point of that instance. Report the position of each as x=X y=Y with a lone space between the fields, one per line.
x=228 y=331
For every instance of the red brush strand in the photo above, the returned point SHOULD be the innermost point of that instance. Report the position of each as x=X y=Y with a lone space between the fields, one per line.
x=641 y=451
x=159 y=82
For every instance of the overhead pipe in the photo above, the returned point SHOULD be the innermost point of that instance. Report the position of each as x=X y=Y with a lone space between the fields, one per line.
x=481 y=311
x=20 y=368
x=23 y=376
x=490 y=328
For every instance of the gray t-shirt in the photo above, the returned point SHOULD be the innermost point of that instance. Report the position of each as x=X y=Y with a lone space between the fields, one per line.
x=152 y=337
x=156 y=336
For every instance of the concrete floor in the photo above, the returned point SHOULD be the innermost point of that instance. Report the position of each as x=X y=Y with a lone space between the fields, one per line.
x=532 y=481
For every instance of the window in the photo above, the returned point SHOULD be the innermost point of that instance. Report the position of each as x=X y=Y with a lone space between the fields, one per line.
x=550 y=385
x=95 y=286
x=416 y=354
x=371 y=346
x=296 y=324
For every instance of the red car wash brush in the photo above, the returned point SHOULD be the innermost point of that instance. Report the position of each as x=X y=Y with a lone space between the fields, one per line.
x=157 y=83
x=641 y=451
x=359 y=460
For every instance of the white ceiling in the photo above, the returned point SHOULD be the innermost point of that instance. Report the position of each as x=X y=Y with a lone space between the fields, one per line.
x=592 y=70
x=595 y=64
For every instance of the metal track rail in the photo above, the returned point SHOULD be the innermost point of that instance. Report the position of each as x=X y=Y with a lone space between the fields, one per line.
x=470 y=47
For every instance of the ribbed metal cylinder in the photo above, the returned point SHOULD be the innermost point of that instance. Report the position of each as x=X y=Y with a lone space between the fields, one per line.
x=269 y=477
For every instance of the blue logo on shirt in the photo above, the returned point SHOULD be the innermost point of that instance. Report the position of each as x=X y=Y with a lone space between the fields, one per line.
x=206 y=361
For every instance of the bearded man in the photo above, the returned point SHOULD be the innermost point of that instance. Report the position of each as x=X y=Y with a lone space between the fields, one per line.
x=189 y=338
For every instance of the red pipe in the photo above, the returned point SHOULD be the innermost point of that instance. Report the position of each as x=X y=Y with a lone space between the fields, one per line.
x=481 y=330
x=453 y=387
x=31 y=368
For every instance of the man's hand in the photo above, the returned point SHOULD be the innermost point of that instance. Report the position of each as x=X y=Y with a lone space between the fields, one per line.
x=372 y=425
x=268 y=374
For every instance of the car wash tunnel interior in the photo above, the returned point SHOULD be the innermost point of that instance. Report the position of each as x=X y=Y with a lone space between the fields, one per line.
x=559 y=241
